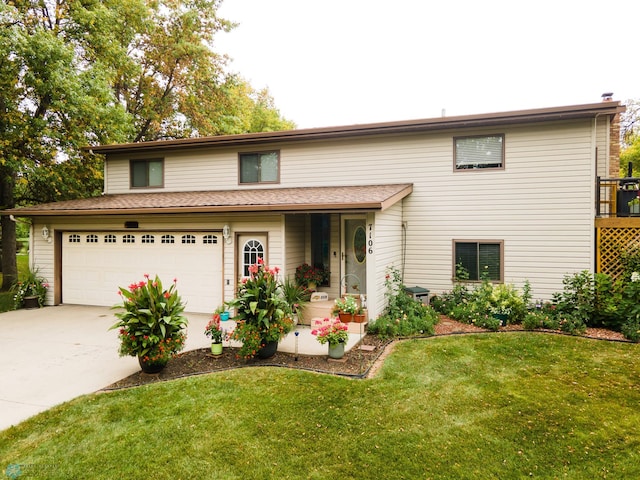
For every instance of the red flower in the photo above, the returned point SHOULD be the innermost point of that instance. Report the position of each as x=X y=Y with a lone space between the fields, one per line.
x=166 y=295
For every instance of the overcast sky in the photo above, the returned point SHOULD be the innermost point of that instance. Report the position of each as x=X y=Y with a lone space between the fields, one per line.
x=340 y=62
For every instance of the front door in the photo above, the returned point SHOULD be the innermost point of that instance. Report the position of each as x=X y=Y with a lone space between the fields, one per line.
x=251 y=246
x=354 y=256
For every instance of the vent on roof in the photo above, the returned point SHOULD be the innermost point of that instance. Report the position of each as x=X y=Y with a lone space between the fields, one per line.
x=607 y=97
x=130 y=224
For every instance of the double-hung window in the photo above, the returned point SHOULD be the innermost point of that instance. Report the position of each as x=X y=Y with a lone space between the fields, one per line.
x=481 y=260
x=147 y=173
x=262 y=167
x=485 y=151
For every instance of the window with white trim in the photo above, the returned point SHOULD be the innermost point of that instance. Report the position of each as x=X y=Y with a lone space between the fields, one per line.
x=148 y=238
x=481 y=260
x=260 y=167
x=128 y=238
x=110 y=238
x=188 y=239
x=92 y=238
x=168 y=239
x=74 y=238
x=478 y=152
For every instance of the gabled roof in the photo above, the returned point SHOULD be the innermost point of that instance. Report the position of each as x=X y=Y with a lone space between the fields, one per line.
x=309 y=199
x=424 y=125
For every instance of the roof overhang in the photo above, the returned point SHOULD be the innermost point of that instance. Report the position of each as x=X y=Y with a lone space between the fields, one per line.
x=350 y=131
x=302 y=199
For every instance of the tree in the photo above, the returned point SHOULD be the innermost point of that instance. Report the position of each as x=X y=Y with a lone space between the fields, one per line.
x=82 y=72
x=630 y=138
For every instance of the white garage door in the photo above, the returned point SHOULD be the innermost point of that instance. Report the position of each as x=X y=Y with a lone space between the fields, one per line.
x=95 y=264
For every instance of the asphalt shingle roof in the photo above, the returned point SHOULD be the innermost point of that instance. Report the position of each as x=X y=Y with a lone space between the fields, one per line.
x=333 y=198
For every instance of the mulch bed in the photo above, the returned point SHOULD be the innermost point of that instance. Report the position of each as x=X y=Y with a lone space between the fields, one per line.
x=357 y=363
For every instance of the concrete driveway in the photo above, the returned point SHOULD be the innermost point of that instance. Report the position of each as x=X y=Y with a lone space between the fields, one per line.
x=54 y=354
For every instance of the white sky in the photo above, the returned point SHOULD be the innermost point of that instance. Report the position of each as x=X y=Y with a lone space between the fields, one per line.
x=340 y=62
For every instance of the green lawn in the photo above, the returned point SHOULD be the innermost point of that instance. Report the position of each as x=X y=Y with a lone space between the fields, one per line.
x=460 y=407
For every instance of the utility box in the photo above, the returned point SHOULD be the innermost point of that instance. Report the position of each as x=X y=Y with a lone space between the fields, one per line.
x=419 y=293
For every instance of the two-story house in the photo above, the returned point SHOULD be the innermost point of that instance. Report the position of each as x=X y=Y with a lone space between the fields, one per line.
x=511 y=196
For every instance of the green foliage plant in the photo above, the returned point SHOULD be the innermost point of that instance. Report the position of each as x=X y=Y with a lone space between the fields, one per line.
x=32 y=285
x=403 y=316
x=262 y=312
x=296 y=295
x=630 y=307
x=152 y=325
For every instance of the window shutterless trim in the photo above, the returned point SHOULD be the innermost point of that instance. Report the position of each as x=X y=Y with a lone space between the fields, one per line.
x=462 y=137
x=259 y=154
x=500 y=243
x=147 y=161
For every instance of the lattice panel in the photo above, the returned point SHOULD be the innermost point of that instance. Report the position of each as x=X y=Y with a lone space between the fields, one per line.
x=612 y=241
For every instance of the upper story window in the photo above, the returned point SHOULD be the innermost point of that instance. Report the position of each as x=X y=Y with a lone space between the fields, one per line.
x=260 y=167
x=147 y=173
x=482 y=151
x=478 y=261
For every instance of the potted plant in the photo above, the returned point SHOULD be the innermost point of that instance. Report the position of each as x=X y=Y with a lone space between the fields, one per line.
x=262 y=313
x=346 y=307
x=634 y=205
x=30 y=292
x=152 y=324
x=311 y=277
x=296 y=296
x=333 y=332
x=214 y=331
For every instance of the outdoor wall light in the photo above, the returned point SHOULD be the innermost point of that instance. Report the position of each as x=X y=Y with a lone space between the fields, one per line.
x=45 y=234
x=226 y=233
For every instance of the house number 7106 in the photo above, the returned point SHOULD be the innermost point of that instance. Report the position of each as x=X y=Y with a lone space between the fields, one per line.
x=370 y=242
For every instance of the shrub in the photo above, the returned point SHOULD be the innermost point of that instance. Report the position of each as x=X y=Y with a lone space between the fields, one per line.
x=631 y=329
x=404 y=316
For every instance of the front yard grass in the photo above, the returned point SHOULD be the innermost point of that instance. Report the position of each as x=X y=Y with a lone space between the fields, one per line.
x=467 y=407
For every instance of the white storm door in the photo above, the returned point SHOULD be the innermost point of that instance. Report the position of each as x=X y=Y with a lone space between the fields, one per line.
x=354 y=255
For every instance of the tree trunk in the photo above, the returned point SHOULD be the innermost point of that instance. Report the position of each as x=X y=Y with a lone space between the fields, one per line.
x=9 y=266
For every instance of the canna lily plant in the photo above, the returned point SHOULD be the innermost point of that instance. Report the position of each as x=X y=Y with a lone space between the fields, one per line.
x=152 y=325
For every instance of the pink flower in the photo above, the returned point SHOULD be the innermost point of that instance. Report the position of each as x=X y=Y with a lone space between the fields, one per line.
x=260 y=260
x=146 y=275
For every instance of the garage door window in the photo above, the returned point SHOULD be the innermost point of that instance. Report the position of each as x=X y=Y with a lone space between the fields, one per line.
x=148 y=239
x=92 y=238
x=189 y=239
x=109 y=238
x=128 y=239
x=168 y=239
x=74 y=238
x=209 y=239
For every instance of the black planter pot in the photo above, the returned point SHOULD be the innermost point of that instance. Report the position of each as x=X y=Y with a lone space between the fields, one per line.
x=152 y=367
x=268 y=351
x=31 y=302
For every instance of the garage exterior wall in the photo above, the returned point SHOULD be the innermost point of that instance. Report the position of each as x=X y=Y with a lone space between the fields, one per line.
x=43 y=252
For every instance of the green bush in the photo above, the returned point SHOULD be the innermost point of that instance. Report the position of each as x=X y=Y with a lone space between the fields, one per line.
x=404 y=316
x=631 y=329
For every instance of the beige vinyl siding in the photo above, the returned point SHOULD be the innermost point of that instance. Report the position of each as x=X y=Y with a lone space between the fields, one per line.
x=295 y=227
x=541 y=205
x=387 y=253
